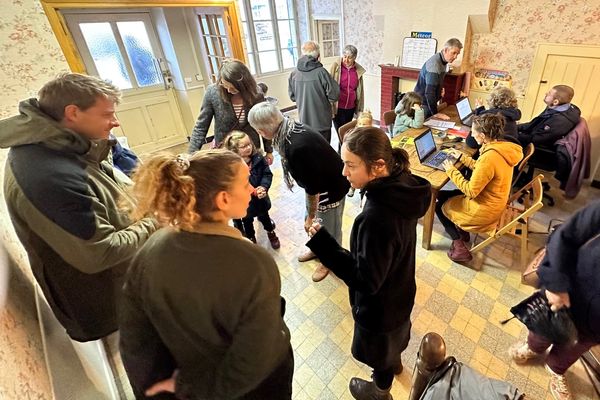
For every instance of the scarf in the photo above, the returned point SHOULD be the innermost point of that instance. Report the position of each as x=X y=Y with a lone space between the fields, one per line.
x=281 y=141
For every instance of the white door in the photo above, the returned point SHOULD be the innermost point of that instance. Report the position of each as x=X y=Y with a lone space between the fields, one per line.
x=578 y=67
x=124 y=49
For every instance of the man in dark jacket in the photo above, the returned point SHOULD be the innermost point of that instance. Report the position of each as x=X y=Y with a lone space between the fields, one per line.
x=63 y=199
x=313 y=90
x=313 y=164
x=431 y=77
x=570 y=275
x=558 y=119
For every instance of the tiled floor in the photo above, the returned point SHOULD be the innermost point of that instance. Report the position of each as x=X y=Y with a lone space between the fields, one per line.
x=461 y=304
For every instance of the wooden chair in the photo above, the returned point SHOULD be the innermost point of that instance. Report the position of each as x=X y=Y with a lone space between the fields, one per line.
x=515 y=218
x=529 y=150
x=389 y=117
x=344 y=129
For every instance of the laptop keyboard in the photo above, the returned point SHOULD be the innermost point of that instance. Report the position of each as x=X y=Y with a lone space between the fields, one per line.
x=437 y=159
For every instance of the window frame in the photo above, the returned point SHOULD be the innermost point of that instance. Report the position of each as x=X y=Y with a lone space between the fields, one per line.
x=253 y=53
x=316 y=20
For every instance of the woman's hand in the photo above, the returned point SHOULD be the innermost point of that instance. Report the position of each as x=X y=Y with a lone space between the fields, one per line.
x=448 y=165
x=558 y=300
x=478 y=103
x=168 y=385
x=269 y=157
x=454 y=153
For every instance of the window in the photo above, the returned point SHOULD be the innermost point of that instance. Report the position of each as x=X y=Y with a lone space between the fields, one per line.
x=328 y=33
x=214 y=36
x=269 y=33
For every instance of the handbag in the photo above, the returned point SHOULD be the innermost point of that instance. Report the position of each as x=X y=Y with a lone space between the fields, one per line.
x=535 y=313
x=530 y=276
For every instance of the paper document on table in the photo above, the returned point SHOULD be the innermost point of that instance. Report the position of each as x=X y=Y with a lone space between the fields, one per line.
x=436 y=123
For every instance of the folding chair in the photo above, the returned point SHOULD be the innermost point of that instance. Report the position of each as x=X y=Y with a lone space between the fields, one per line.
x=529 y=150
x=514 y=221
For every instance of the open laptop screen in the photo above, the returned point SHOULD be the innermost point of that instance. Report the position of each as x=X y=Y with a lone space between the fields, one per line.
x=425 y=145
x=464 y=108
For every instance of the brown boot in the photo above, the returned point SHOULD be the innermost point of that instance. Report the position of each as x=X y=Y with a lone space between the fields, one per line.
x=459 y=252
x=274 y=240
x=366 y=390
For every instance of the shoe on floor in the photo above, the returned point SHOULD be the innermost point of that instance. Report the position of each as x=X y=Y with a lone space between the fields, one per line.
x=320 y=273
x=459 y=252
x=521 y=353
x=309 y=255
x=368 y=390
x=274 y=240
x=558 y=386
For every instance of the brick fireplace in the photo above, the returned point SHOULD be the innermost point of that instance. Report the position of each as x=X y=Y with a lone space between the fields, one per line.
x=390 y=84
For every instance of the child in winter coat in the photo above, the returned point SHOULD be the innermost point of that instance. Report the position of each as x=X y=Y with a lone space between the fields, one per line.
x=260 y=178
x=409 y=113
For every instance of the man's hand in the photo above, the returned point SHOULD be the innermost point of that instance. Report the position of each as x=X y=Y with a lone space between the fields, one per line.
x=441 y=116
x=269 y=157
x=558 y=300
x=314 y=228
x=168 y=385
x=308 y=223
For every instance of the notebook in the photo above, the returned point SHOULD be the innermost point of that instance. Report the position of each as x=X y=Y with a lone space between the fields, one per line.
x=465 y=112
x=428 y=152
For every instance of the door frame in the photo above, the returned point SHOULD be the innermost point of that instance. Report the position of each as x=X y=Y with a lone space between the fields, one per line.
x=67 y=44
x=539 y=63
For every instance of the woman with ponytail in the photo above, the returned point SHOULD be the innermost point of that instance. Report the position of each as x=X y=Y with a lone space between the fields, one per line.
x=379 y=269
x=202 y=316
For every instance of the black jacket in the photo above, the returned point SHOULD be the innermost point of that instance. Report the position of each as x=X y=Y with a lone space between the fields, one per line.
x=572 y=264
x=379 y=269
x=260 y=175
x=551 y=125
x=511 y=116
x=315 y=165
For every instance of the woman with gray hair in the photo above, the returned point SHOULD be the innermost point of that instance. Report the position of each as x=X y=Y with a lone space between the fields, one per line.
x=349 y=75
x=315 y=166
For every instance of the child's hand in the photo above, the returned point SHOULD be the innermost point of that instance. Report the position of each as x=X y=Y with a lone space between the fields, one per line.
x=261 y=192
x=441 y=116
x=416 y=107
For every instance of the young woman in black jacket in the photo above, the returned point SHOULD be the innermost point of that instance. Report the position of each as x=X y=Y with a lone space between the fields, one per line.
x=379 y=269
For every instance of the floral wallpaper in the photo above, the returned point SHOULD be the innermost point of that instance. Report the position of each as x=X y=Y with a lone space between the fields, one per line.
x=363 y=29
x=521 y=24
x=326 y=7
x=29 y=56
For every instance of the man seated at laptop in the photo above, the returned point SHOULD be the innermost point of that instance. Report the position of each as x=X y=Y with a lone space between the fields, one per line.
x=502 y=100
x=478 y=202
x=558 y=119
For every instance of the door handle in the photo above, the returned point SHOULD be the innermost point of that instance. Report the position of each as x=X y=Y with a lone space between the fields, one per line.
x=543 y=81
x=162 y=68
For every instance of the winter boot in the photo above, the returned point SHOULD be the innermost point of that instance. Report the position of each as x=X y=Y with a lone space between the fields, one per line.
x=275 y=244
x=459 y=252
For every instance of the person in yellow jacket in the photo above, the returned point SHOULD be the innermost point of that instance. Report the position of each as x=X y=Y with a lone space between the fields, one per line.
x=478 y=202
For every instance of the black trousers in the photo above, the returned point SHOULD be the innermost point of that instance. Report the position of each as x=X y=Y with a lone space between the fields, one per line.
x=246 y=224
x=449 y=226
x=342 y=117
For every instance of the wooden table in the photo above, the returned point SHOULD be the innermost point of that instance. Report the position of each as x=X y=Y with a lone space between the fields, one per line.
x=436 y=177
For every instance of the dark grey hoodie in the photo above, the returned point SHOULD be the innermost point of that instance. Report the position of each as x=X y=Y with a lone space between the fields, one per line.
x=62 y=196
x=313 y=90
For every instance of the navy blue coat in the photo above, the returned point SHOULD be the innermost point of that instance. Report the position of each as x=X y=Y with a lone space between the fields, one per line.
x=260 y=175
x=572 y=265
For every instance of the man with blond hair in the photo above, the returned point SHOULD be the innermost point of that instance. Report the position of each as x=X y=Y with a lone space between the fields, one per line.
x=64 y=199
x=313 y=90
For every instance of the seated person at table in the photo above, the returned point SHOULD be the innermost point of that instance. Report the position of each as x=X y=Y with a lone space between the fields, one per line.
x=478 y=202
x=558 y=119
x=502 y=100
x=409 y=113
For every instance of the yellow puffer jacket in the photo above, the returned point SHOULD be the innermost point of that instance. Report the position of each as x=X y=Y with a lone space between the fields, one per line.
x=486 y=193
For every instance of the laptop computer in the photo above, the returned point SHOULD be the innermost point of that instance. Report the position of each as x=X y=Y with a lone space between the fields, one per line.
x=465 y=112
x=428 y=152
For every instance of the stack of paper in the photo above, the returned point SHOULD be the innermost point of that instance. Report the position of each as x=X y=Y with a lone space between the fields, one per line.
x=436 y=123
